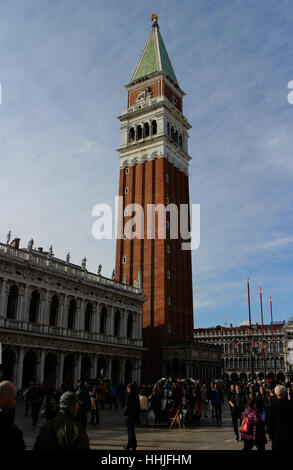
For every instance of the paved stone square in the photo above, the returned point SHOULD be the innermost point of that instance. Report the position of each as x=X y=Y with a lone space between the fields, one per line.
x=111 y=433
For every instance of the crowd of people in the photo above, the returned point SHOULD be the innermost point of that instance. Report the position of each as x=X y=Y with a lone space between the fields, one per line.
x=259 y=410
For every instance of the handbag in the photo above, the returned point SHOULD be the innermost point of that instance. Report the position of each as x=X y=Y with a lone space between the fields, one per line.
x=245 y=427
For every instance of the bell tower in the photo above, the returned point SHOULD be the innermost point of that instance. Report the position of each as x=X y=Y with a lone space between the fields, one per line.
x=154 y=164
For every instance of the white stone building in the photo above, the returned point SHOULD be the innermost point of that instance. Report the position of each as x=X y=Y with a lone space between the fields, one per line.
x=60 y=323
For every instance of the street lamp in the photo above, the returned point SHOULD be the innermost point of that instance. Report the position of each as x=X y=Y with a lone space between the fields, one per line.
x=264 y=347
x=253 y=354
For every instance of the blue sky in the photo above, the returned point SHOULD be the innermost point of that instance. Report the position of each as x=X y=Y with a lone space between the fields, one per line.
x=63 y=65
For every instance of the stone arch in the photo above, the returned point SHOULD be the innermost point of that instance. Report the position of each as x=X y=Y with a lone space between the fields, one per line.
x=101 y=367
x=71 y=314
x=128 y=371
x=8 y=364
x=271 y=376
x=243 y=377
x=34 y=306
x=54 y=309
x=146 y=129
x=234 y=377
x=88 y=317
x=129 y=331
x=117 y=323
x=103 y=320
x=139 y=132
x=280 y=377
x=85 y=372
x=68 y=370
x=131 y=134
x=115 y=371
x=12 y=302
x=50 y=370
x=29 y=371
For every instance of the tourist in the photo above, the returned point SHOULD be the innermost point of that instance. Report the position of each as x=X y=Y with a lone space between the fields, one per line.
x=144 y=408
x=113 y=396
x=156 y=405
x=217 y=400
x=51 y=403
x=210 y=391
x=289 y=391
x=36 y=400
x=237 y=404
x=280 y=422
x=96 y=397
x=254 y=434
x=132 y=413
x=262 y=402
x=85 y=404
x=64 y=432
x=204 y=396
x=27 y=398
x=11 y=436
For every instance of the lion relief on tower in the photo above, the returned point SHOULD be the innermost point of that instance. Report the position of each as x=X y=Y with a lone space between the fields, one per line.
x=144 y=94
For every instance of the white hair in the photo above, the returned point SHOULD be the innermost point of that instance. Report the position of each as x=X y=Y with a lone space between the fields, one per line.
x=6 y=387
x=280 y=391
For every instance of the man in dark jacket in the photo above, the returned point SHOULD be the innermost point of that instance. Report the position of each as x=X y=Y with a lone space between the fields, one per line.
x=64 y=432
x=217 y=400
x=237 y=404
x=280 y=423
x=11 y=437
x=132 y=413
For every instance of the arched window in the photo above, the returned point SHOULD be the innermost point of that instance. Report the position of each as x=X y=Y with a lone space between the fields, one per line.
x=12 y=302
x=131 y=134
x=71 y=314
x=34 y=307
x=168 y=129
x=138 y=132
x=154 y=127
x=180 y=140
x=54 y=307
x=129 y=326
x=176 y=137
x=103 y=319
x=146 y=129
x=172 y=133
x=117 y=323
x=88 y=317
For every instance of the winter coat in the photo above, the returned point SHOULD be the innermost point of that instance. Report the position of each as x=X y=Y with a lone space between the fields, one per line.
x=238 y=400
x=64 y=432
x=84 y=401
x=217 y=397
x=257 y=427
x=280 y=424
x=11 y=437
x=132 y=410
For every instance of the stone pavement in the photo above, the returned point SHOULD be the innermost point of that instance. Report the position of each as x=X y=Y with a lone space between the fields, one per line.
x=111 y=433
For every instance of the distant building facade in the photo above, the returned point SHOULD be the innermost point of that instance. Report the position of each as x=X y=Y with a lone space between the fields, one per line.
x=191 y=359
x=242 y=355
x=60 y=322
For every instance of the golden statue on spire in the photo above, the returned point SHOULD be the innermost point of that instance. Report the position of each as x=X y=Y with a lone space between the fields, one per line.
x=155 y=18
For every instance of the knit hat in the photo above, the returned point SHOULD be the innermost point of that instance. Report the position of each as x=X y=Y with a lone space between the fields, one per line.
x=67 y=400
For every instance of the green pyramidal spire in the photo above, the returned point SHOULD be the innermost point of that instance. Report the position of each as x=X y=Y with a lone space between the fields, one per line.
x=154 y=57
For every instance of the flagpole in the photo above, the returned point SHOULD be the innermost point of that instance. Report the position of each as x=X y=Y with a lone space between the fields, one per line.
x=262 y=330
x=272 y=326
x=248 y=294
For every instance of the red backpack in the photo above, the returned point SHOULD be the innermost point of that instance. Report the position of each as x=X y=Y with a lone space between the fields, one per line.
x=245 y=427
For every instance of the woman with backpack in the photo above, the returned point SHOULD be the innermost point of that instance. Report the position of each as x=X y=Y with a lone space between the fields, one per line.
x=252 y=427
